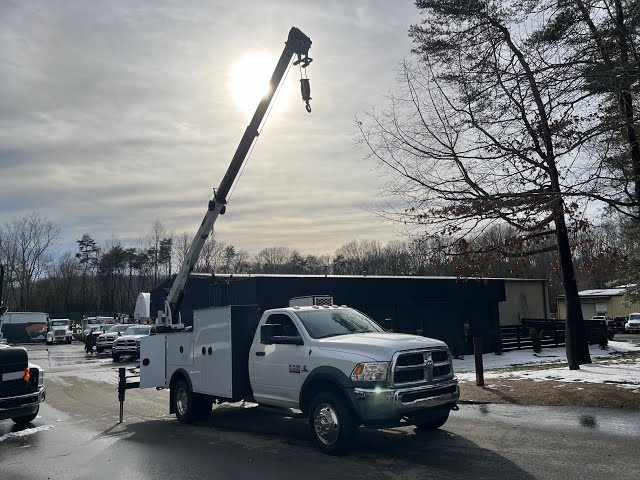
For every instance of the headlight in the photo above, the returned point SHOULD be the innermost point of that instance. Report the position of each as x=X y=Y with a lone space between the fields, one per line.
x=41 y=378
x=370 y=372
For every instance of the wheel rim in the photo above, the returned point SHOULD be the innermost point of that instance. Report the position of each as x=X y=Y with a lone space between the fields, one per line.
x=326 y=424
x=182 y=401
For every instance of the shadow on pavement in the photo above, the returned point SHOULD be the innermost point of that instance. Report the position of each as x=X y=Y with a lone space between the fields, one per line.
x=440 y=453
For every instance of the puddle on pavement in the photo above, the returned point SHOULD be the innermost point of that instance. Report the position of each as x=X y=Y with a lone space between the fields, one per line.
x=588 y=421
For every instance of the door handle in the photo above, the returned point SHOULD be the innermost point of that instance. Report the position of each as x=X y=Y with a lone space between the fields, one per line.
x=260 y=354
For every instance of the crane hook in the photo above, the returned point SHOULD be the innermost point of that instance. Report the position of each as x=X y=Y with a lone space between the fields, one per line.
x=305 y=89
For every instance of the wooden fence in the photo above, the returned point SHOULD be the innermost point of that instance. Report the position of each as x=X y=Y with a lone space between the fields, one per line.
x=516 y=337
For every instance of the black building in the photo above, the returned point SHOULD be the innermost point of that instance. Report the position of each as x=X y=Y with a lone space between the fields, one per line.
x=448 y=308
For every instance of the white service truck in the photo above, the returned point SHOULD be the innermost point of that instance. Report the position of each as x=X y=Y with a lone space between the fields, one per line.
x=333 y=364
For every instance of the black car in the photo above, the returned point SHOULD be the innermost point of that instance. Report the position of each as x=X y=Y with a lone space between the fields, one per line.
x=21 y=386
x=617 y=323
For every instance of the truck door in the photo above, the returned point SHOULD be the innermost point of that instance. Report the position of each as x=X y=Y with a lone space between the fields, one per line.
x=278 y=371
x=153 y=361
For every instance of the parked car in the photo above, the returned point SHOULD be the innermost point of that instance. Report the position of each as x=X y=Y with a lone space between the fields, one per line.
x=129 y=342
x=96 y=329
x=633 y=325
x=106 y=340
x=22 y=387
x=618 y=324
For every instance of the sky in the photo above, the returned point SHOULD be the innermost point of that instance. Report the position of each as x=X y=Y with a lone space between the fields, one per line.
x=119 y=112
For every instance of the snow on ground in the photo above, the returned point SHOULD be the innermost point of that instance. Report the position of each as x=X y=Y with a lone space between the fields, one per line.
x=25 y=432
x=623 y=373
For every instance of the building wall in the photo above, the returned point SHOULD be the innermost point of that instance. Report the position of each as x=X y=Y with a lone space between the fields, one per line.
x=524 y=299
x=614 y=306
x=446 y=308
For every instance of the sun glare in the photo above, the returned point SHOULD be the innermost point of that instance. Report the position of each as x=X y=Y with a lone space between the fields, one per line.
x=250 y=82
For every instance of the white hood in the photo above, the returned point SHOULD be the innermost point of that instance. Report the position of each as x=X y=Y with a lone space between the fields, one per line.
x=131 y=337
x=377 y=346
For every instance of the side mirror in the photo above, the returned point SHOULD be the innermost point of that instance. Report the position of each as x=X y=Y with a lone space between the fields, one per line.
x=267 y=332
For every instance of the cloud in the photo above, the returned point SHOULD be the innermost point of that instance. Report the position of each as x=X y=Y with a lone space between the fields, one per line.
x=118 y=113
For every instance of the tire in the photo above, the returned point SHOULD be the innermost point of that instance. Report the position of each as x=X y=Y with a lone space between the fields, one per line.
x=433 y=423
x=187 y=408
x=332 y=423
x=116 y=357
x=68 y=341
x=27 y=419
x=49 y=343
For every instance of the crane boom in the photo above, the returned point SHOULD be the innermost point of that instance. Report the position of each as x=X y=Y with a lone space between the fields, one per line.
x=297 y=45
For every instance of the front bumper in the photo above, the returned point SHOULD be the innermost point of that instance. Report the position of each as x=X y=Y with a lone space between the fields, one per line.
x=126 y=350
x=396 y=407
x=21 y=405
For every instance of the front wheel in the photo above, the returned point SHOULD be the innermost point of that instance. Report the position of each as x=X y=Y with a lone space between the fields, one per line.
x=27 y=419
x=433 y=423
x=99 y=349
x=332 y=423
x=116 y=357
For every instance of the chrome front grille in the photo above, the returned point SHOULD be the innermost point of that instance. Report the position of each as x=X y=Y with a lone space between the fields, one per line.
x=418 y=367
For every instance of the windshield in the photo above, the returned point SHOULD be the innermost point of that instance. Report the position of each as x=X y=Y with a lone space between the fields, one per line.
x=137 y=331
x=59 y=323
x=118 y=328
x=634 y=316
x=324 y=323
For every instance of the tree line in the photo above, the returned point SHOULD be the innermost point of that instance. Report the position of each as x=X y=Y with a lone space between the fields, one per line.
x=106 y=277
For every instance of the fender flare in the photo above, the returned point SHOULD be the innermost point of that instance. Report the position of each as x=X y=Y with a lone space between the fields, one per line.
x=333 y=375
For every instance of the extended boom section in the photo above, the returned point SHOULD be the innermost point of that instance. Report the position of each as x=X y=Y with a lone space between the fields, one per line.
x=297 y=45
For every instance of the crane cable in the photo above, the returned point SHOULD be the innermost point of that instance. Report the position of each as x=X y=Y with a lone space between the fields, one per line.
x=264 y=122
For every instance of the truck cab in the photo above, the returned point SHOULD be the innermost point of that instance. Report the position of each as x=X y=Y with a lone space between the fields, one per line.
x=59 y=331
x=332 y=364
x=22 y=387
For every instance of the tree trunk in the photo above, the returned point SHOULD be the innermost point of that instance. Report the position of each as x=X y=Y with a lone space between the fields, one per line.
x=576 y=343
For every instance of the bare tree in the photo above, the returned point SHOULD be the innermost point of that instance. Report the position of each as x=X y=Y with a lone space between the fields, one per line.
x=211 y=256
x=483 y=132
x=273 y=259
x=156 y=233
x=26 y=247
x=63 y=274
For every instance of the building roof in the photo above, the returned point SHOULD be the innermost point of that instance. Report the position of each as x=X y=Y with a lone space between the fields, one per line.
x=603 y=292
x=415 y=277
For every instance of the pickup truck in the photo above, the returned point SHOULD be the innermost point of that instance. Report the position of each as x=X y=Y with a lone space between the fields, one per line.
x=22 y=387
x=129 y=342
x=330 y=364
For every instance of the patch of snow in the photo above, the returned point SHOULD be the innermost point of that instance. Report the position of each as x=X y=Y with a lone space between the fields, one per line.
x=25 y=432
x=492 y=361
x=623 y=375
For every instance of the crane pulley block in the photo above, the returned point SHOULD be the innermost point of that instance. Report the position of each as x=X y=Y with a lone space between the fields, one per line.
x=305 y=89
